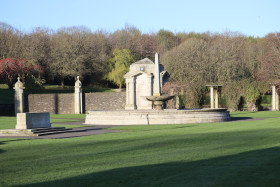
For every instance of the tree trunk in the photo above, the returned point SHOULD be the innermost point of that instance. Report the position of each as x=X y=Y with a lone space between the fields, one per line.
x=10 y=83
x=62 y=83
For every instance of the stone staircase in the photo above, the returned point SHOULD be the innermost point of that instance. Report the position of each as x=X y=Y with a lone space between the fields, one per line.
x=38 y=131
x=54 y=130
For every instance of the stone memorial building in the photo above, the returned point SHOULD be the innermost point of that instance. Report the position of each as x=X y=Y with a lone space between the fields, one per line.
x=145 y=78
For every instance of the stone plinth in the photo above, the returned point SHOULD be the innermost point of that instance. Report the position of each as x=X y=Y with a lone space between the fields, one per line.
x=33 y=120
x=154 y=117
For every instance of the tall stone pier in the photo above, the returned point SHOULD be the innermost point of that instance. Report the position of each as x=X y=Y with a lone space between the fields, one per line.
x=157 y=85
x=19 y=97
x=78 y=97
x=275 y=99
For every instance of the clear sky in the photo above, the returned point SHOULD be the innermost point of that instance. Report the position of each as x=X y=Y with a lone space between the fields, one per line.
x=250 y=17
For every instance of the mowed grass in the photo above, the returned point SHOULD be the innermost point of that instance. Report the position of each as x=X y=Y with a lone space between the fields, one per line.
x=8 y=122
x=237 y=153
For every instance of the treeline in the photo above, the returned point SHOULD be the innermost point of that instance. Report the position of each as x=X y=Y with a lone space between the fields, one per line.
x=225 y=57
x=68 y=52
x=198 y=58
x=245 y=66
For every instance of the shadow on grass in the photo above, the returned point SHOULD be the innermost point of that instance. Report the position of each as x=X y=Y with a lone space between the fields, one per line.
x=1 y=150
x=240 y=118
x=254 y=168
x=6 y=141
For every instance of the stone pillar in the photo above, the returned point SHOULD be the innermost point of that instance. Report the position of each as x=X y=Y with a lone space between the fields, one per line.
x=216 y=94
x=212 y=97
x=78 y=97
x=157 y=89
x=130 y=94
x=275 y=99
x=19 y=98
x=150 y=90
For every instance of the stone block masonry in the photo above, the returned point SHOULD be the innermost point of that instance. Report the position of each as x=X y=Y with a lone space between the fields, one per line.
x=104 y=101
x=157 y=117
x=64 y=103
x=52 y=103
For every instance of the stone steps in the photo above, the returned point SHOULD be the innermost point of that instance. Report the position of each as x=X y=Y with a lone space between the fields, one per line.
x=47 y=129
x=44 y=132
x=38 y=131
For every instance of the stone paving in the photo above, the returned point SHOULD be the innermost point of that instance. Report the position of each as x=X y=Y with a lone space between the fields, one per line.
x=93 y=130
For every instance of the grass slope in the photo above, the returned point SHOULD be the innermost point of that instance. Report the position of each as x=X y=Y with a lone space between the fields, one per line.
x=238 y=153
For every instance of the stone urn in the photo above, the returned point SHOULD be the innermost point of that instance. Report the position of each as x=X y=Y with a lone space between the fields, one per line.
x=159 y=101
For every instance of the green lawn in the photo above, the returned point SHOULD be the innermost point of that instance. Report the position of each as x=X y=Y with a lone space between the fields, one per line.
x=80 y=116
x=10 y=122
x=237 y=153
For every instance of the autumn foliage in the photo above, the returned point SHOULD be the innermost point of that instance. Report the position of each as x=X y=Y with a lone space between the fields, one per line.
x=10 y=69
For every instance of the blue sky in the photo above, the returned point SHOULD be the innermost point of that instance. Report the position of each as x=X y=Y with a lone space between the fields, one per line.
x=250 y=17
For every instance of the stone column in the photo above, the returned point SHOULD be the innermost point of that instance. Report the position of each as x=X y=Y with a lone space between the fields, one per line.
x=275 y=99
x=78 y=97
x=150 y=90
x=19 y=98
x=216 y=94
x=157 y=89
x=212 y=97
x=130 y=93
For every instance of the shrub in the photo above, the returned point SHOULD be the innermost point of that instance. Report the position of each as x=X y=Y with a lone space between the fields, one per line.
x=33 y=83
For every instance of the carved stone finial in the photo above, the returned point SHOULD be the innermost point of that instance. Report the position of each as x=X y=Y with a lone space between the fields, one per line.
x=19 y=84
x=78 y=83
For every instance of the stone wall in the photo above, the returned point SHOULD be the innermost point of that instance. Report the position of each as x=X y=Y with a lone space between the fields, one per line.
x=105 y=101
x=52 y=103
x=64 y=103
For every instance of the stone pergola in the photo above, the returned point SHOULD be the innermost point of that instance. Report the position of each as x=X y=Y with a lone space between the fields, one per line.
x=275 y=98
x=214 y=95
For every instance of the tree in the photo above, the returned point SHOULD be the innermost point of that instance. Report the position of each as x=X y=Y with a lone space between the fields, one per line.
x=270 y=61
x=188 y=62
x=10 y=69
x=70 y=53
x=11 y=42
x=166 y=40
x=38 y=47
x=119 y=63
